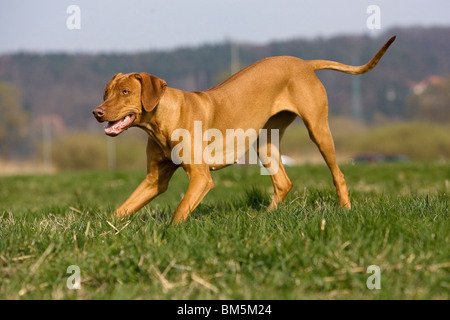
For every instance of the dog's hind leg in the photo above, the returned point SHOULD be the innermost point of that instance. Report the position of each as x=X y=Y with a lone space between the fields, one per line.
x=281 y=185
x=320 y=134
x=270 y=156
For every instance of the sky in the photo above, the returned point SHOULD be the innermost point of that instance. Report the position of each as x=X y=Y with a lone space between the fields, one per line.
x=138 y=25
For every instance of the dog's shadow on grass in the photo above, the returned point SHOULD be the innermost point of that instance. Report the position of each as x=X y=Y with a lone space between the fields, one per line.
x=252 y=198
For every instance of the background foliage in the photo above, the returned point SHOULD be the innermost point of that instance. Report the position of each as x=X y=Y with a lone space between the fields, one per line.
x=48 y=98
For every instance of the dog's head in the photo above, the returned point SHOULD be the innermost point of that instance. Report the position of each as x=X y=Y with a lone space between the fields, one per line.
x=126 y=97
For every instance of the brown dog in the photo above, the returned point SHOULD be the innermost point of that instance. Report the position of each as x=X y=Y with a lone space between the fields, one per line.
x=269 y=94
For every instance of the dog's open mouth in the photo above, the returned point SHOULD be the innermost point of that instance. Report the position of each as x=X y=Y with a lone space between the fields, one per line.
x=113 y=128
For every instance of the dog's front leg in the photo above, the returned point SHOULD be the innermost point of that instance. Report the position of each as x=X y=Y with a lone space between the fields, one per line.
x=155 y=183
x=200 y=182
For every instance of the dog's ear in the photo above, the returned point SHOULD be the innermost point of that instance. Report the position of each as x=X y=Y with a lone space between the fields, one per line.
x=152 y=89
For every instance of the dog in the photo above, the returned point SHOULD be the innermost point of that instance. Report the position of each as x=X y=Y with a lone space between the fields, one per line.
x=267 y=95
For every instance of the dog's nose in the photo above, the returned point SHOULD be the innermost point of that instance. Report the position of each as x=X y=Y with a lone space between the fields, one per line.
x=98 y=113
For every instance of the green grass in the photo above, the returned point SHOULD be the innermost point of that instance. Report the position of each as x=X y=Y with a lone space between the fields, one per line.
x=230 y=248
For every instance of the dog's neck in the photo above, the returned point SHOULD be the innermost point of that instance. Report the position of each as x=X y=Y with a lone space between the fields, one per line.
x=155 y=123
x=148 y=122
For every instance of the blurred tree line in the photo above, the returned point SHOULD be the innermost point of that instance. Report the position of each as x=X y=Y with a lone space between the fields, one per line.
x=13 y=119
x=66 y=87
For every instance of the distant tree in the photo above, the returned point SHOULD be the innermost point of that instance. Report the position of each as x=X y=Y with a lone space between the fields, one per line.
x=431 y=101
x=13 y=119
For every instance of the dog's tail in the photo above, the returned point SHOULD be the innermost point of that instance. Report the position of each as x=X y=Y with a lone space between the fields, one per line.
x=332 y=65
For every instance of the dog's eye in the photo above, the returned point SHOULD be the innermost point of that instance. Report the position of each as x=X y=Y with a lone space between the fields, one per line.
x=125 y=91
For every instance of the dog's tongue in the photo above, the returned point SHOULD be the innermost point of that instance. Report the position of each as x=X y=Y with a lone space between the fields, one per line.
x=116 y=127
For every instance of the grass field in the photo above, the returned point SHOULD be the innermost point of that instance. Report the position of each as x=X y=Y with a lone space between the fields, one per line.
x=230 y=248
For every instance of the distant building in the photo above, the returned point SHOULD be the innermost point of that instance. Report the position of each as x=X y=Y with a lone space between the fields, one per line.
x=420 y=86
